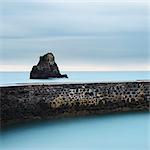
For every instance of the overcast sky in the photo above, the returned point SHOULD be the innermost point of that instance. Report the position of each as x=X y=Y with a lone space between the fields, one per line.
x=104 y=35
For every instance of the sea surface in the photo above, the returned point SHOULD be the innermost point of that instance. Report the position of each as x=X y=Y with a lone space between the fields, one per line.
x=105 y=132
x=129 y=131
x=11 y=78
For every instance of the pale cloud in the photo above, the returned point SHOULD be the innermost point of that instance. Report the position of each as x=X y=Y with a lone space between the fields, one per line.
x=110 y=35
x=37 y=20
x=79 y=1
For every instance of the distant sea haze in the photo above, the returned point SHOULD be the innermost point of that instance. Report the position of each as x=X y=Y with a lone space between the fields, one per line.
x=9 y=78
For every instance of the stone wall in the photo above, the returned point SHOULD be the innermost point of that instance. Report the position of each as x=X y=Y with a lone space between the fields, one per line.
x=29 y=102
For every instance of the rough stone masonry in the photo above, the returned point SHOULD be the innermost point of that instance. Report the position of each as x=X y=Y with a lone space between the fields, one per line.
x=33 y=102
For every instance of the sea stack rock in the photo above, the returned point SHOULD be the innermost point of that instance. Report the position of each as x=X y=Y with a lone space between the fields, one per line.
x=46 y=68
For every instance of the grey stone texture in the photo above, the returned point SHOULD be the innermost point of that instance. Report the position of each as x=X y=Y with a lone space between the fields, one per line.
x=34 y=102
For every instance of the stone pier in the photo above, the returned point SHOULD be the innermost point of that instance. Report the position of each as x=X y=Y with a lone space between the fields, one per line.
x=48 y=101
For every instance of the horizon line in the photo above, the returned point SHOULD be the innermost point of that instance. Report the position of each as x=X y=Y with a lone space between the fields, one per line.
x=73 y=68
x=82 y=70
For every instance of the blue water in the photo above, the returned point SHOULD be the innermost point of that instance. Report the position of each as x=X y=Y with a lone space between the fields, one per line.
x=23 y=77
x=111 y=132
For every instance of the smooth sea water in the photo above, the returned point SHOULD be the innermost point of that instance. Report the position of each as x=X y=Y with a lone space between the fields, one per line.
x=104 y=132
x=107 y=132
x=23 y=77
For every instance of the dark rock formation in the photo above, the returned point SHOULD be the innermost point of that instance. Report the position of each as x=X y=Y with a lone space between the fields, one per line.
x=46 y=68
